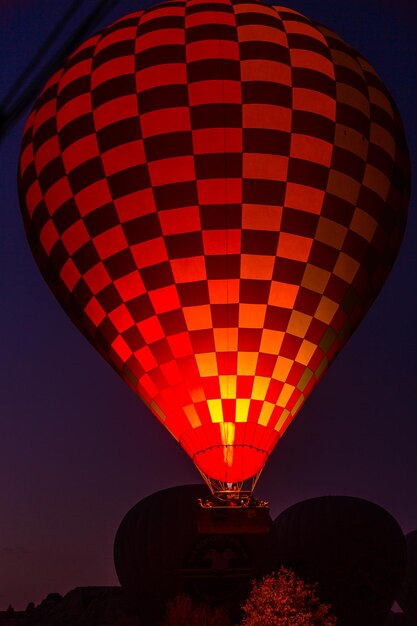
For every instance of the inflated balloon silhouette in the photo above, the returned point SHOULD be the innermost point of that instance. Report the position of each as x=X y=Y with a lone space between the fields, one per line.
x=158 y=554
x=353 y=548
x=216 y=192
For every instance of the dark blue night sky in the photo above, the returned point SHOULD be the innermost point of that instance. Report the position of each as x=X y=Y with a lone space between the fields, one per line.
x=78 y=449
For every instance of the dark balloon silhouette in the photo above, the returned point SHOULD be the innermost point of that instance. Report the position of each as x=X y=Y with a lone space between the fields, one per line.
x=159 y=553
x=216 y=193
x=407 y=597
x=353 y=548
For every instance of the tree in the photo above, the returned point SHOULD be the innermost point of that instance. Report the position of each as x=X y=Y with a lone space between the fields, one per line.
x=184 y=611
x=282 y=599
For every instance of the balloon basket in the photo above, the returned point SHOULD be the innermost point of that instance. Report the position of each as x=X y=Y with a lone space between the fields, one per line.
x=229 y=520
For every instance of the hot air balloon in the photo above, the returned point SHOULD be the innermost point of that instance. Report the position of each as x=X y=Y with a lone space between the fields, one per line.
x=215 y=192
x=159 y=553
x=353 y=548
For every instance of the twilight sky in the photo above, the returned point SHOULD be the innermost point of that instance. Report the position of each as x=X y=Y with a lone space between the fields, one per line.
x=78 y=449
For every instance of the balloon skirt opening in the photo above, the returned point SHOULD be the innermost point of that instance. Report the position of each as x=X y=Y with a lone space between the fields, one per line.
x=231 y=464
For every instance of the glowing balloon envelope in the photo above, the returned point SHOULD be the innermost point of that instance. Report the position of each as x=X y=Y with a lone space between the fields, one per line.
x=215 y=192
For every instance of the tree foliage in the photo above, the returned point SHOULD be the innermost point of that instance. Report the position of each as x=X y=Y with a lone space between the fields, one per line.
x=184 y=611
x=282 y=599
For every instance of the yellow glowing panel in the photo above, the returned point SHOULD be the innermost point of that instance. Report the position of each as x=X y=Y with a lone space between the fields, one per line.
x=285 y=394
x=252 y=315
x=282 y=368
x=260 y=387
x=223 y=291
x=191 y=413
x=216 y=411
x=330 y=233
x=282 y=419
x=298 y=324
x=225 y=339
x=271 y=341
x=265 y=166
x=346 y=267
x=305 y=352
x=363 y=224
x=198 y=317
x=228 y=453
x=207 y=364
x=315 y=278
x=326 y=310
x=261 y=217
x=257 y=266
x=227 y=431
x=266 y=412
x=246 y=363
x=242 y=410
x=282 y=294
x=228 y=386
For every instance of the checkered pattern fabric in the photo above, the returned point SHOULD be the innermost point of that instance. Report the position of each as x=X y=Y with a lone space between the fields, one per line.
x=215 y=191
